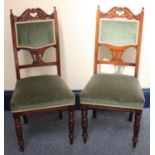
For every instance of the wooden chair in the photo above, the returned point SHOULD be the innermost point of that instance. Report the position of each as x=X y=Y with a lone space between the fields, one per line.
x=35 y=31
x=117 y=30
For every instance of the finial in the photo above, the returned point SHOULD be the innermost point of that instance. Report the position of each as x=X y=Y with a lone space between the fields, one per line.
x=10 y=11
x=98 y=7
x=54 y=8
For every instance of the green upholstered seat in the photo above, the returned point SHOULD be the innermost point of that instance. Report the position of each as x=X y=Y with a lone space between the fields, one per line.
x=40 y=92
x=113 y=90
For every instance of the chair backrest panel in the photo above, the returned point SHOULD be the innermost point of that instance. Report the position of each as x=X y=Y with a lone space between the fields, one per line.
x=118 y=30
x=28 y=37
x=112 y=32
x=35 y=31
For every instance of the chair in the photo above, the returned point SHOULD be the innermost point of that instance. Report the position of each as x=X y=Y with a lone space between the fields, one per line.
x=118 y=30
x=35 y=31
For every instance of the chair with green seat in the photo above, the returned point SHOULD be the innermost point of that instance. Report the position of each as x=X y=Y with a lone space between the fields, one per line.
x=34 y=31
x=117 y=30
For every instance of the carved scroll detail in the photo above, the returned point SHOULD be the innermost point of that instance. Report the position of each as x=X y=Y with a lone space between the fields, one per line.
x=37 y=56
x=33 y=14
x=117 y=55
x=119 y=12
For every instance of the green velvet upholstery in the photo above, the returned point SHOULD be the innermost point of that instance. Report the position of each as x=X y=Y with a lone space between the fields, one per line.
x=35 y=34
x=118 y=32
x=40 y=92
x=113 y=90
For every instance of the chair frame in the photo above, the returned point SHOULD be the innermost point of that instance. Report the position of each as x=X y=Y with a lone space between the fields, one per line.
x=117 y=52
x=37 y=54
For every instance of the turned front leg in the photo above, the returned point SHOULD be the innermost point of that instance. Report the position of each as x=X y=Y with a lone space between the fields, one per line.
x=19 y=132
x=84 y=125
x=136 y=128
x=71 y=123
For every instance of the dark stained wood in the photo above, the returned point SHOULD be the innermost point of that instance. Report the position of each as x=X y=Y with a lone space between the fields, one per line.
x=62 y=108
x=130 y=116
x=34 y=14
x=19 y=132
x=71 y=124
x=36 y=65
x=37 y=55
x=136 y=128
x=84 y=121
x=13 y=19
x=57 y=41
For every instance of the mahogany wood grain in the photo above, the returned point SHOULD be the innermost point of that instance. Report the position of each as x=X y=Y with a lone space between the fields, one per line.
x=71 y=124
x=136 y=128
x=37 y=55
x=84 y=121
x=19 y=132
x=117 y=52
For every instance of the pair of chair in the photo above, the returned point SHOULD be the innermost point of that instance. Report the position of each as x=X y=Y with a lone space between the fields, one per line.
x=35 y=31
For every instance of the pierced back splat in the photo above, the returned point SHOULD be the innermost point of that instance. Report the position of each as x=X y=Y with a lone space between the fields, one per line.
x=118 y=30
x=35 y=31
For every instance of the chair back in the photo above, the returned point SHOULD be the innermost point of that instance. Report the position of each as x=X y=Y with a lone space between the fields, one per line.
x=35 y=31
x=118 y=30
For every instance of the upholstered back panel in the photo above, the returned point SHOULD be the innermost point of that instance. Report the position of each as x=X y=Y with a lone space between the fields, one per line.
x=118 y=32
x=35 y=31
x=35 y=34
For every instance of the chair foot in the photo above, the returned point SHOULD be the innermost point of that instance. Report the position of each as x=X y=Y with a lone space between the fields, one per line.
x=130 y=116
x=19 y=132
x=25 y=119
x=71 y=123
x=94 y=113
x=136 y=128
x=84 y=125
x=60 y=115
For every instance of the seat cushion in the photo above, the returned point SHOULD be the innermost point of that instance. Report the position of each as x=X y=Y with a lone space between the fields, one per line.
x=113 y=90
x=40 y=92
